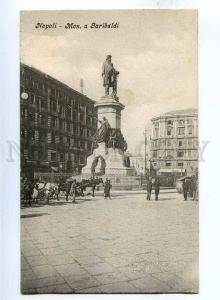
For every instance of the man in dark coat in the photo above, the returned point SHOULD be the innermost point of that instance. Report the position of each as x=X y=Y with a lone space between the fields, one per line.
x=94 y=181
x=28 y=190
x=68 y=188
x=73 y=190
x=107 y=188
x=157 y=188
x=149 y=188
x=185 y=188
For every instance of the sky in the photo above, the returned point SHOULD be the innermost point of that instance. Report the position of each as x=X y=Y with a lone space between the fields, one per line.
x=155 y=52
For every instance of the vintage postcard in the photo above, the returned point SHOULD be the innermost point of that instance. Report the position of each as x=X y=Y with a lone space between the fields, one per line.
x=109 y=151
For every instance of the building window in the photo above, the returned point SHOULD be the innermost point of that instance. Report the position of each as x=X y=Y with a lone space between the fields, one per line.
x=181 y=122
x=53 y=156
x=156 y=131
x=190 y=143
x=31 y=99
x=35 y=155
x=43 y=104
x=53 y=138
x=37 y=101
x=168 y=153
x=180 y=143
x=75 y=116
x=81 y=117
x=68 y=112
x=43 y=136
x=31 y=116
x=180 y=130
x=169 y=122
x=169 y=130
x=82 y=131
x=43 y=120
x=154 y=154
x=31 y=135
x=180 y=153
x=64 y=125
x=61 y=157
x=180 y=164
x=169 y=143
x=53 y=106
x=190 y=130
x=168 y=164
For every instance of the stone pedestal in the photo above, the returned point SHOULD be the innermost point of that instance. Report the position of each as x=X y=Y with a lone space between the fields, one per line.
x=110 y=108
x=114 y=158
x=114 y=162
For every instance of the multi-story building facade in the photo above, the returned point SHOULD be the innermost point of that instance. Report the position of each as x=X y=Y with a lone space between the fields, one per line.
x=174 y=142
x=57 y=124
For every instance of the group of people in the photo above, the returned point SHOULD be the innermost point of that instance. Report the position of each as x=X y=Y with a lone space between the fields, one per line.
x=153 y=183
x=190 y=188
x=32 y=190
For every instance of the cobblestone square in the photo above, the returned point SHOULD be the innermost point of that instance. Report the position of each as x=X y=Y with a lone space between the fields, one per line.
x=123 y=245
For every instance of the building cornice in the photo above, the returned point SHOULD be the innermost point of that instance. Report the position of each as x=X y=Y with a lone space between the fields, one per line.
x=56 y=81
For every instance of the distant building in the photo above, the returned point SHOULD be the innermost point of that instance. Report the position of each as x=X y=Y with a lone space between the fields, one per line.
x=57 y=124
x=174 y=142
x=137 y=162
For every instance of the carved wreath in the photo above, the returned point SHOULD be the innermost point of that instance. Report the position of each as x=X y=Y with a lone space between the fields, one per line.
x=95 y=163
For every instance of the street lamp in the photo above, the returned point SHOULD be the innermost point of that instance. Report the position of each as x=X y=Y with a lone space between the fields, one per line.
x=24 y=95
x=145 y=151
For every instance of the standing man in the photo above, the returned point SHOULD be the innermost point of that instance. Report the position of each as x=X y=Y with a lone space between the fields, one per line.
x=185 y=189
x=27 y=191
x=73 y=191
x=68 y=188
x=149 y=187
x=94 y=182
x=195 y=188
x=107 y=188
x=157 y=188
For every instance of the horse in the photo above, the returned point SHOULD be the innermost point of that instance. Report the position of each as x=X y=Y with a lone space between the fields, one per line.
x=80 y=187
x=92 y=182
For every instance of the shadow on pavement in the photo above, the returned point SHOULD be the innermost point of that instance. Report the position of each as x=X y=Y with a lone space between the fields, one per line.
x=36 y=205
x=33 y=215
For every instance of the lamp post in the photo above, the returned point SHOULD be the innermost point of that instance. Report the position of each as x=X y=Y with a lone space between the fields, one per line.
x=145 y=152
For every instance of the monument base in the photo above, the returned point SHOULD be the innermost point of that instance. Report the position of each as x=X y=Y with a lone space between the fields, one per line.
x=107 y=161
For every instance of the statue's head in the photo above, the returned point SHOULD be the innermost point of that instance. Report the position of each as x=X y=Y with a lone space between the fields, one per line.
x=104 y=119
x=108 y=57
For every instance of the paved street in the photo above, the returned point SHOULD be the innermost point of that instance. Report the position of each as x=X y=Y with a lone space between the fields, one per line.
x=123 y=245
